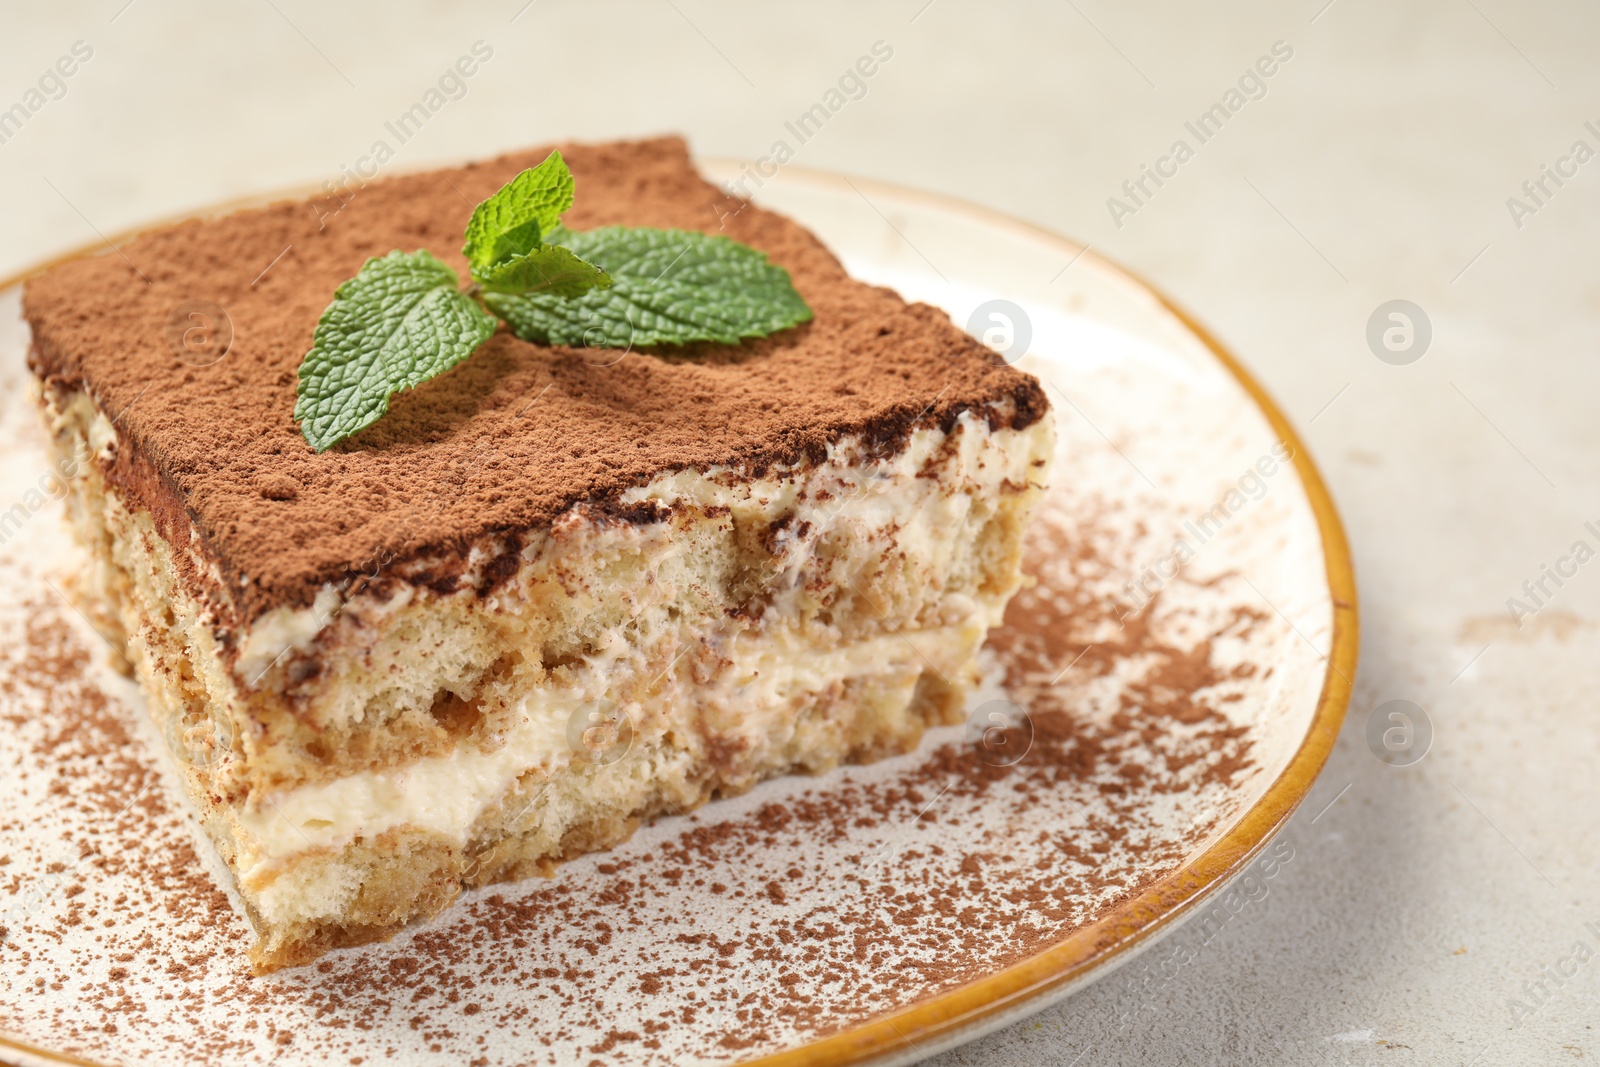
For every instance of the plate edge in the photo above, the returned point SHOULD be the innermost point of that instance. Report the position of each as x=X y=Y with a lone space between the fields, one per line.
x=949 y=1018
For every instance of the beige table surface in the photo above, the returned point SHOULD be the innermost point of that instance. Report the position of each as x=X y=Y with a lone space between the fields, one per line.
x=1423 y=901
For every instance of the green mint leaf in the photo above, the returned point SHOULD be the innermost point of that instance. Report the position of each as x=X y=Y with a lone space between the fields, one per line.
x=668 y=287
x=397 y=323
x=549 y=269
x=514 y=220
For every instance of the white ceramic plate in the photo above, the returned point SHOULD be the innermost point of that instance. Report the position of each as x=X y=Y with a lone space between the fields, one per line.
x=1158 y=704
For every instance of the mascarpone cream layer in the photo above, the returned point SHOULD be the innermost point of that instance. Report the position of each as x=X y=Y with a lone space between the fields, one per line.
x=447 y=794
x=851 y=501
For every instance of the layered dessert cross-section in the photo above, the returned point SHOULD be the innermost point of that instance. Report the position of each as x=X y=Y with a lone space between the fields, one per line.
x=555 y=591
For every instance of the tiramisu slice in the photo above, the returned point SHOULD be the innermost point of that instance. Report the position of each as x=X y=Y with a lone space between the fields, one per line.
x=554 y=591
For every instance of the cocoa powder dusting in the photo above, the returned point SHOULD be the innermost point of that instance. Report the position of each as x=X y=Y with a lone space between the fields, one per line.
x=743 y=928
x=506 y=440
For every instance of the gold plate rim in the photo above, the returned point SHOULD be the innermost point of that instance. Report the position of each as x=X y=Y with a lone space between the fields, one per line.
x=939 y=1022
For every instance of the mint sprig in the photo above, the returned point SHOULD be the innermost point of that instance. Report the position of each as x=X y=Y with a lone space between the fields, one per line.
x=550 y=271
x=513 y=220
x=506 y=250
x=393 y=326
x=404 y=318
x=667 y=287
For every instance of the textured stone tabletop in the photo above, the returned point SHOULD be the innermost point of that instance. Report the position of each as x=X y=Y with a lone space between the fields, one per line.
x=1446 y=911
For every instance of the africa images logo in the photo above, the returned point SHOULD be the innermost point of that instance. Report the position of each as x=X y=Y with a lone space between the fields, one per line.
x=51 y=85
x=1252 y=85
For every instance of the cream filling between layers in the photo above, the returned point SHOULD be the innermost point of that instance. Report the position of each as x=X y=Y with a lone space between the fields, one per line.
x=447 y=794
x=764 y=670
x=863 y=498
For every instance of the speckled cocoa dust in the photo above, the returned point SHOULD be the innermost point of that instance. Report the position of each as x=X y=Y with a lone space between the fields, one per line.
x=794 y=912
x=213 y=451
